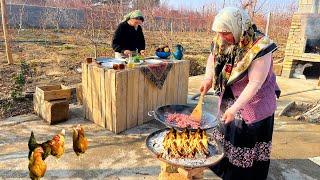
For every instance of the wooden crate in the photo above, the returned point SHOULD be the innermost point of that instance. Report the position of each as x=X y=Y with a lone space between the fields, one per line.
x=171 y=172
x=119 y=100
x=55 y=111
x=52 y=103
x=53 y=92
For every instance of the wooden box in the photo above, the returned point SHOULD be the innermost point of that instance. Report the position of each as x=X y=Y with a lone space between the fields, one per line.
x=55 y=111
x=53 y=92
x=120 y=100
x=171 y=172
x=52 y=103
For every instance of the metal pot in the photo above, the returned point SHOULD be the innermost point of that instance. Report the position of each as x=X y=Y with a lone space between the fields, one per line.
x=208 y=120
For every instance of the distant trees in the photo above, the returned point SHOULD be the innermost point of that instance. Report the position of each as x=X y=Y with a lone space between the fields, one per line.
x=253 y=6
x=145 y=3
x=135 y=4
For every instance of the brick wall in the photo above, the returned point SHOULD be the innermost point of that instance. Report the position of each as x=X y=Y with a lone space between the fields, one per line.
x=297 y=41
x=308 y=6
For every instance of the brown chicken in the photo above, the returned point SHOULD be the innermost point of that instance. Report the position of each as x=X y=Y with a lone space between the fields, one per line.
x=37 y=166
x=80 y=142
x=57 y=144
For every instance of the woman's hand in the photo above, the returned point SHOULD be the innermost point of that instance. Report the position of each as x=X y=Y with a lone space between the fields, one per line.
x=205 y=86
x=228 y=116
x=143 y=52
x=127 y=52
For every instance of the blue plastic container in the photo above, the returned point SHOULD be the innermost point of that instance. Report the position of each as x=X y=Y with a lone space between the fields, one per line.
x=163 y=55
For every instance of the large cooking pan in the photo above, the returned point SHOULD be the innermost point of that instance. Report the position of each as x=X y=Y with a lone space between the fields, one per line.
x=154 y=143
x=208 y=120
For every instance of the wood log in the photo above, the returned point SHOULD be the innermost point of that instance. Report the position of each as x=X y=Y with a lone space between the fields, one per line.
x=141 y=96
x=109 y=82
x=119 y=101
x=132 y=98
x=85 y=90
x=96 y=96
x=89 y=92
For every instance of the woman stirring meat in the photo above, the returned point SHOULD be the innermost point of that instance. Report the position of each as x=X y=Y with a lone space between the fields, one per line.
x=240 y=67
x=129 y=38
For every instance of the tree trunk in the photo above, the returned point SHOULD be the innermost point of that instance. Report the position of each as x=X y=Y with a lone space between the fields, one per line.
x=5 y=31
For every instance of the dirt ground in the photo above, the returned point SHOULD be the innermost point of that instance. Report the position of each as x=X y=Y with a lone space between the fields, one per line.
x=125 y=156
x=54 y=57
x=293 y=144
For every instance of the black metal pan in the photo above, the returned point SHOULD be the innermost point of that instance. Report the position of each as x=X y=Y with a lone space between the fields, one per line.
x=154 y=144
x=208 y=120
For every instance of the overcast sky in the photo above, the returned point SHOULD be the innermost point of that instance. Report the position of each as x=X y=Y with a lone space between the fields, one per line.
x=269 y=5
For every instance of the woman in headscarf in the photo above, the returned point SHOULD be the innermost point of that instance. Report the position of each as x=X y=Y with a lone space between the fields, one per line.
x=129 y=38
x=240 y=70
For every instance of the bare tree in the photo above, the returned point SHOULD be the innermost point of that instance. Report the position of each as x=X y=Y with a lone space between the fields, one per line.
x=253 y=6
x=21 y=15
x=141 y=4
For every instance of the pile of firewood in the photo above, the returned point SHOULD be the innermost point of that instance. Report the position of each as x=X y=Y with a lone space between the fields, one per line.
x=312 y=115
x=309 y=112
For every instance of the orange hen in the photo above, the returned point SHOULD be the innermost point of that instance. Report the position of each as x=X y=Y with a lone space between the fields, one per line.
x=80 y=142
x=37 y=166
x=57 y=144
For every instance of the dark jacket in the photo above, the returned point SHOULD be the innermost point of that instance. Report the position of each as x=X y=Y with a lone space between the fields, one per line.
x=127 y=38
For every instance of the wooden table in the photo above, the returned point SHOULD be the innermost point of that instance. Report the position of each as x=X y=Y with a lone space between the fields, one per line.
x=121 y=99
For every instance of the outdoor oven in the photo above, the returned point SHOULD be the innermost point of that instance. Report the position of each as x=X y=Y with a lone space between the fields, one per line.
x=302 y=54
x=313 y=46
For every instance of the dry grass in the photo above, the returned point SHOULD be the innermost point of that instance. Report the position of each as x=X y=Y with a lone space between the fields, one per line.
x=57 y=55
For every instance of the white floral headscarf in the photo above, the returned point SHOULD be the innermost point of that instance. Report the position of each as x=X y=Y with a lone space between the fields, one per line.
x=234 y=20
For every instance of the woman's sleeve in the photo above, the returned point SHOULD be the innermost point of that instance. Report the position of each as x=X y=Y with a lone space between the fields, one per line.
x=210 y=67
x=116 y=40
x=258 y=72
x=142 y=42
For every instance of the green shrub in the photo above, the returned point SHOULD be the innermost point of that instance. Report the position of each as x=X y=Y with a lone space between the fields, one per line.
x=20 y=80
x=197 y=64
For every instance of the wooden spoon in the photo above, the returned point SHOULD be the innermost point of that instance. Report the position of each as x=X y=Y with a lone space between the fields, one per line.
x=197 y=111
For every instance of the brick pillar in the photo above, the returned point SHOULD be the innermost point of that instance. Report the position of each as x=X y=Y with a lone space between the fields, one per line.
x=294 y=47
x=288 y=67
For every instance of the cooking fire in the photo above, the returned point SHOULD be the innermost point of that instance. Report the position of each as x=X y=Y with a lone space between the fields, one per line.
x=186 y=144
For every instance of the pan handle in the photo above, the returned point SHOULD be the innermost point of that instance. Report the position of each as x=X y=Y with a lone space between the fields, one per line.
x=151 y=113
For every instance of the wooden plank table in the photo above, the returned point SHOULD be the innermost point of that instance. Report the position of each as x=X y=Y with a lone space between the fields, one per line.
x=121 y=99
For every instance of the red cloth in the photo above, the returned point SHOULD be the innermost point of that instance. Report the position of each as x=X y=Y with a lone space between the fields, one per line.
x=157 y=73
